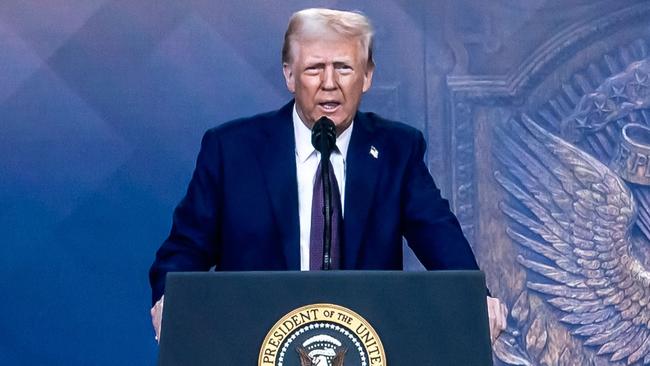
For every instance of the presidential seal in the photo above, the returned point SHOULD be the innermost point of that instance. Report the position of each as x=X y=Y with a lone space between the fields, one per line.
x=322 y=335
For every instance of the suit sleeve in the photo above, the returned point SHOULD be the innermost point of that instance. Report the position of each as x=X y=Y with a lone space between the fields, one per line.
x=429 y=226
x=193 y=240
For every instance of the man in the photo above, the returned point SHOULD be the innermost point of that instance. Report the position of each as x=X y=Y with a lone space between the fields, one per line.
x=249 y=203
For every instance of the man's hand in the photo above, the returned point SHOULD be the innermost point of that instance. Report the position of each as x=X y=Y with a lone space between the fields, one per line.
x=497 y=314
x=156 y=316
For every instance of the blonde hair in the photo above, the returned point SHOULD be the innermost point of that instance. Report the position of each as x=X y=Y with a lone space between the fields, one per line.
x=317 y=22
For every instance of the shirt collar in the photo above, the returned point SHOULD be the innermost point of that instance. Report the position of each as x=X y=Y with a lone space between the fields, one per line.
x=304 y=148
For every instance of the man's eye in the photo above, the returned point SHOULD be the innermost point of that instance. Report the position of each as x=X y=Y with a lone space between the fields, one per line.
x=344 y=69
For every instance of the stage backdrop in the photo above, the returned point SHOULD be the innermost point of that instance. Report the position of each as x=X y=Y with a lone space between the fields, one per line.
x=523 y=104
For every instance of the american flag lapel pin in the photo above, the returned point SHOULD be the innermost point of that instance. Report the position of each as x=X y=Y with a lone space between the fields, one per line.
x=374 y=152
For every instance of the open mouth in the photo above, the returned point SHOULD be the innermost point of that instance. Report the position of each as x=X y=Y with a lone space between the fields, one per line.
x=329 y=106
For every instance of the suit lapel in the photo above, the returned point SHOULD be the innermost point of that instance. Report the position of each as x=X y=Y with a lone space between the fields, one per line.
x=278 y=162
x=361 y=179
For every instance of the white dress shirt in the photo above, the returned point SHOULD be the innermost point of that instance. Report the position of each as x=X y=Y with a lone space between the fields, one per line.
x=307 y=159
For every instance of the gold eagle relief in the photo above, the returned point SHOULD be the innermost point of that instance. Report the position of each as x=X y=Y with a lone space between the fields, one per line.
x=578 y=208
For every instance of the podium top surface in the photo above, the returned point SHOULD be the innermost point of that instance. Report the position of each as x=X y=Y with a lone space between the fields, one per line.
x=419 y=318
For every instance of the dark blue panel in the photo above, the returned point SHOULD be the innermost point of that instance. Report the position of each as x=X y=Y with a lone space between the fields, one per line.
x=102 y=106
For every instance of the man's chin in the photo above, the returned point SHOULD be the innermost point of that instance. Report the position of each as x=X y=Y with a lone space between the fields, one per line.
x=342 y=126
x=341 y=122
x=332 y=117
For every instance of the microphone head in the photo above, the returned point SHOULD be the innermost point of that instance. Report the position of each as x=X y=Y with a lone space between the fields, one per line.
x=323 y=135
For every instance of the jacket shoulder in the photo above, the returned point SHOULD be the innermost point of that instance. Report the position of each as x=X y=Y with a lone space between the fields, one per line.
x=390 y=128
x=244 y=126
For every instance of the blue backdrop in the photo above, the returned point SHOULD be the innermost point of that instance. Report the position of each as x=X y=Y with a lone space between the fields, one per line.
x=102 y=107
x=103 y=104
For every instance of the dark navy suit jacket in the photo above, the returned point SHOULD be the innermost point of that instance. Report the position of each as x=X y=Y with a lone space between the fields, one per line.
x=241 y=208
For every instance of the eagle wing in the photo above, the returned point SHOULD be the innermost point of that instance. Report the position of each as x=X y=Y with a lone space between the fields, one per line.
x=340 y=356
x=575 y=216
x=305 y=360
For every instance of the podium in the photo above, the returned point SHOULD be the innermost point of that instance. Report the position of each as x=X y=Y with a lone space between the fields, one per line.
x=352 y=318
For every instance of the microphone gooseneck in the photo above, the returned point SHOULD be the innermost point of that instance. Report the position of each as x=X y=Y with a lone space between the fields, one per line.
x=323 y=137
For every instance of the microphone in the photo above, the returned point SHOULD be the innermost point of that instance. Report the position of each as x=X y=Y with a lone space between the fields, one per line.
x=323 y=137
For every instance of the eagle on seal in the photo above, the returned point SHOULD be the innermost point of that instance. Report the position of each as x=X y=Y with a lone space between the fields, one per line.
x=321 y=360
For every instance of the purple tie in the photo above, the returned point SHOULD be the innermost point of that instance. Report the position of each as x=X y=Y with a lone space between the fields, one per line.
x=318 y=223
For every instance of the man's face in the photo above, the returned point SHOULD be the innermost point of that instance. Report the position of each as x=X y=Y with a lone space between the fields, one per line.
x=328 y=76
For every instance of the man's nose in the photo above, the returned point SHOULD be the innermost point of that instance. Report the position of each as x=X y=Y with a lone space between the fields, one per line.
x=329 y=78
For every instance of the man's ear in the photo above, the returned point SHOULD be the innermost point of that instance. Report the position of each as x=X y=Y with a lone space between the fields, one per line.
x=367 y=77
x=289 y=77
